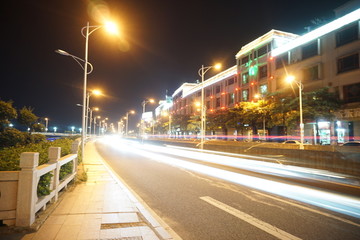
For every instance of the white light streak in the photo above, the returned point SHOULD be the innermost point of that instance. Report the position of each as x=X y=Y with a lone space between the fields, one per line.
x=334 y=202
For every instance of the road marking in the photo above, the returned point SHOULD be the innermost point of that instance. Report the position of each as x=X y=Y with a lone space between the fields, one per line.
x=276 y=232
x=308 y=209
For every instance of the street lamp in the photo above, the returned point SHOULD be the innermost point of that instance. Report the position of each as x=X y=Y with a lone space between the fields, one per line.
x=86 y=32
x=46 y=124
x=257 y=96
x=146 y=101
x=201 y=73
x=291 y=79
x=127 y=121
x=90 y=118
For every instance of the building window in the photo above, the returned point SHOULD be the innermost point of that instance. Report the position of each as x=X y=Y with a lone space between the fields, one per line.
x=347 y=35
x=245 y=78
x=263 y=71
x=208 y=105
x=231 y=98
x=263 y=89
x=352 y=93
x=217 y=89
x=245 y=95
x=263 y=50
x=208 y=92
x=230 y=81
x=245 y=60
x=218 y=102
x=348 y=63
x=311 y=73
x=282 y=61
x=310 y=50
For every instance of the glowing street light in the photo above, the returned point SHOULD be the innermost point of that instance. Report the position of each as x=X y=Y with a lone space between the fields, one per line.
x=146 y=101
x=290 y=79
x=201 y=73
x=127 y=121
x=55 y=129
x=46 y=124
x=86 y=32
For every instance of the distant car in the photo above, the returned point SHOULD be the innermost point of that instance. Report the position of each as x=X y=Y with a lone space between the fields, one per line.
x=291 y=142
x=352 y=143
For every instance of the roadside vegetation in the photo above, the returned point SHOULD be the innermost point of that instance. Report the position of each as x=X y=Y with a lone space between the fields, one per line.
x=14 y=142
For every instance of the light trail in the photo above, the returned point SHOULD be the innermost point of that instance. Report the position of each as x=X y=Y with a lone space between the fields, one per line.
x=335 y=202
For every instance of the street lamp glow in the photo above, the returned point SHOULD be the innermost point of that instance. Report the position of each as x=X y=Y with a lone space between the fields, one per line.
x=217 y=66
x=290 y=79
x=111 y=27
x=96 y=92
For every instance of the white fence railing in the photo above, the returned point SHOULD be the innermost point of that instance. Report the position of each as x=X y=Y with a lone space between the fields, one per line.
x=19 y=200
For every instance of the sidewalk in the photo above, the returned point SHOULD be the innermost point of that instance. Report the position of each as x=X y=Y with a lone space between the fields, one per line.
x=101 y=208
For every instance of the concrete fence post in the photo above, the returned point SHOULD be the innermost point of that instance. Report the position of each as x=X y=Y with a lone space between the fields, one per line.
x=75 y=147
x=27 y=189
x=54 y=156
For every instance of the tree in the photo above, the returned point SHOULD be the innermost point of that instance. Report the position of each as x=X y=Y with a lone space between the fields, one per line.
x=27 y=117
x=12 y=137
x=7 y=112
x=38 y=127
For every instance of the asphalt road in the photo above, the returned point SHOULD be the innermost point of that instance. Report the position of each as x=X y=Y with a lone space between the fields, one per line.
x=197 y=205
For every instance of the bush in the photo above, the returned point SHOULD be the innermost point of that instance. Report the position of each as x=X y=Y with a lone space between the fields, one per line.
x=37 y=138
x=65 y=170
x=12 y=137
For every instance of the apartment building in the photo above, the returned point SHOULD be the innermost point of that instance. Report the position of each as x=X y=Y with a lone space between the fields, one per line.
x=325 y=57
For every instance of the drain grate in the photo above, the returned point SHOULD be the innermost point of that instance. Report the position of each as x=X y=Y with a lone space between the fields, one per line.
x=121 y=225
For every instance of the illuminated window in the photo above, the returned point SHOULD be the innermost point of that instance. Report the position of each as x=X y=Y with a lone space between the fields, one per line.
x=263 y=71
x=348 y=63
x=217 y=89
x=282 y=61
x=309 y=50
x=218 y=102
x=311 y=73
x=245 y=95
x=347 y=35
x=231 y=98
x=263 y=89
x=245 y=78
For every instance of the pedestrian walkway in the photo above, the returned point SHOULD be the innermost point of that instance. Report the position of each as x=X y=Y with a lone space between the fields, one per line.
x=101 y=208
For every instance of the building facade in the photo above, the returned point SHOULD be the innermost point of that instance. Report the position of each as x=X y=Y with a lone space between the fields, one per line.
x=325 y=57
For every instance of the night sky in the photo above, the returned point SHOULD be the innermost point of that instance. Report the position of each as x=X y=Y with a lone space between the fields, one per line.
x=163 y=44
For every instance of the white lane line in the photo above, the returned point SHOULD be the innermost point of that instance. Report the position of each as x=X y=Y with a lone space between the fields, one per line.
x=308 y=209
x=276 y=232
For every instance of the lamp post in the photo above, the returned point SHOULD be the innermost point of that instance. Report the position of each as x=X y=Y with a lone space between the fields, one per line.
x=90 y=118
x=95 y=124
x=46 y=124
x=257 y=96
x=146 y=101
x=89 y=94
x=291 y=79
x=127 y=121
x=86 y=32
x=201 y=73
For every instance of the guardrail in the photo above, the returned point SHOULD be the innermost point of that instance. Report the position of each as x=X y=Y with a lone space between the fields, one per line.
x=19 y=200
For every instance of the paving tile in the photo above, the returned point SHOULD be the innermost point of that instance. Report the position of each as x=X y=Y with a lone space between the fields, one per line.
x=128 y=217
x=68 y=232
x=47 y=232
x=110 y=233
x=74 y=220
x=110 y=218
x=130 y=232
x=55 y=219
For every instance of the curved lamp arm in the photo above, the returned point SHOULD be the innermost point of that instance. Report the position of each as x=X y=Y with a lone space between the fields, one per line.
x=77 y=59
x=94 y=28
